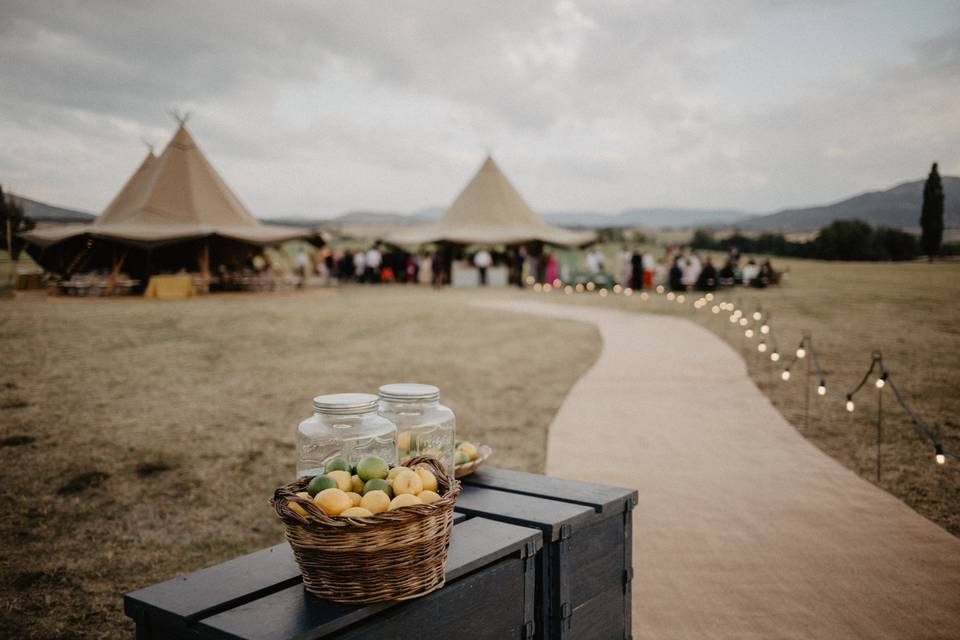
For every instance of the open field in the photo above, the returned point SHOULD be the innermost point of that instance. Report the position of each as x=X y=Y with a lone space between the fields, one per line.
x=908 y=311
x=143 y=438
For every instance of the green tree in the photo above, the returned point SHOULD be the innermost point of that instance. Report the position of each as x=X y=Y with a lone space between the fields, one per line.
x=931 y=216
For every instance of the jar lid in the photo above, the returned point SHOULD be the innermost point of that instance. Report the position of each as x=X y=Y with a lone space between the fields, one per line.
x=338 y=404
x=407 y=391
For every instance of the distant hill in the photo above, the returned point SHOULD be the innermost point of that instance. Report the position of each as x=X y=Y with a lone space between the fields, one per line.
x=896 y=207
x=43 y=212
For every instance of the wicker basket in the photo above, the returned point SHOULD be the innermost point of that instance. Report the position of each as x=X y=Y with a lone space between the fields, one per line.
x=465 y=469
x=395 y=555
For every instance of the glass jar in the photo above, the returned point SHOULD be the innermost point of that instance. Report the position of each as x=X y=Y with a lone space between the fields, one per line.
x=344 y=425
x=424 y=426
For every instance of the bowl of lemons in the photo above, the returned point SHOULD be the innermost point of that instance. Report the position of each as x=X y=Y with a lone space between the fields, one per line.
x=469 y=457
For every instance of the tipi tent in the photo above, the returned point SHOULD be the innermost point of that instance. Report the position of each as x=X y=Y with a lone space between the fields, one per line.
x=174 y=212
x=490 y=211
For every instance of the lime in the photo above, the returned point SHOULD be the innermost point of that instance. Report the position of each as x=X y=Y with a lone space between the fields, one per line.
x=337 y=464
x=319 y=483
x=372 y=467
x=378 y=484
x=461 y=457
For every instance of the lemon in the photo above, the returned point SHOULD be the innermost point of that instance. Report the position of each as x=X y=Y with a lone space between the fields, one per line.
x=397 y=471
x=343 y=478
x=356 y=484
x=469 y=449
x=427 y=478
x=428 y=496
x=356 y=512
x=319 y=483
x=332 y=501
x=407 y=482
x=337 y=464
x=355 y=498
x=404 y=500
x=461 y=458
x=378 y=484
x=375 y=501
x=372 y=467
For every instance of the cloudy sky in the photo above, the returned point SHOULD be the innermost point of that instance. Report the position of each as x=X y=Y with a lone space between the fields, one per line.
x=316 y=108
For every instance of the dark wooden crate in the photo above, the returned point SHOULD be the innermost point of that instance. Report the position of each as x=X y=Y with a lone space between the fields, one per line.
x=490 y=593
x=585 y=571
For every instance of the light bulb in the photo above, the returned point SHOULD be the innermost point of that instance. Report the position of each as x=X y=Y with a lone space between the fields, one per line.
x=628 y=291
x=785 y=375
x=579 y=287
x=765 y=329
x=801 y=353
x=671 y=295
x=681 y=298
x=709 y=297
x=538 y=287
x=849 y=404
x=880 y=383
x=644 y=296
x=757 y=315
x=603 y=293
x=591 y=286
x=748 y=333
x=715 y=309
x=743 y=322
x=568 y=289
x=822 y=389
x=738 y=313
x=762 y=347
x=775 y=356
x=617 y=288
x=659 y=288
x=547 y=287
x=531 y=280
x=733 y=319
x=940 y=458
x=557 y=283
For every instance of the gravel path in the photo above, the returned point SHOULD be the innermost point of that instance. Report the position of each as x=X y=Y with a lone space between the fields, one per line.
x=744 y=529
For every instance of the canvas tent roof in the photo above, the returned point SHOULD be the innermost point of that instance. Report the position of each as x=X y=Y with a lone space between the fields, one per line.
x=489 y=210
x=173 y=197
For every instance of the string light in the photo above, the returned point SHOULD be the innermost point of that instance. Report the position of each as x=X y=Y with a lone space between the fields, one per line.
x=775 y=356
x=547 y=287
x=882 y=381
x=762 y=347
x=530 y=280
x=538 y=287
x=591 y=286
x=801 y=352
x=785 y=375
x=579 y=287
x=733 y=319
x=757 y=315
x=940 y=458
x=568 y=289
x=743 y=322
x=850 y=404
x=715 y=309
x=822 y=389
x=748 y=333
x=603 y=293
x=738 y=313
x=680 y=298
x=765 y=329
x=628 y=292
x=617 y=288
x=671 y=296
x=709 y=297
x=644 y=296
x=557 y=283
x=660 y=288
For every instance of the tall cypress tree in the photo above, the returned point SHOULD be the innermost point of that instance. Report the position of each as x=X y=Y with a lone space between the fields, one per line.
x=931 y=216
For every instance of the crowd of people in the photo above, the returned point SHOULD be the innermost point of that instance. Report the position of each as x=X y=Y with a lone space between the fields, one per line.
x=679 y=269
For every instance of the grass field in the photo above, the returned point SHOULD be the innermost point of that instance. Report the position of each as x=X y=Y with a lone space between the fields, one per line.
x=143 y=438
x=910 y=312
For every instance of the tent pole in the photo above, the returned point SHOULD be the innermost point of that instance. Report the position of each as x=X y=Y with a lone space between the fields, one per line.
x=117 y=265
x=205 y=266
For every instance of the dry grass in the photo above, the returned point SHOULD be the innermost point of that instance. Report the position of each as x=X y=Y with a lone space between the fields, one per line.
x=142 y=438
x=911 y=313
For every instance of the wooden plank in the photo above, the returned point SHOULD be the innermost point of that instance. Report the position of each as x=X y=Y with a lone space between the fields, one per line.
x=599 y=497
x=523 y=510
x=596 y=560
x=600 y=618
x=294 y=613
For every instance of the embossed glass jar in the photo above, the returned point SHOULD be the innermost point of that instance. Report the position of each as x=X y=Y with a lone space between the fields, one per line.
x=345 y=425
x=424 y=426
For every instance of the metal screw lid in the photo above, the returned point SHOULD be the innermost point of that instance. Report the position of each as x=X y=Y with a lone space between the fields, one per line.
x=409 y=392
x=339 y=404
